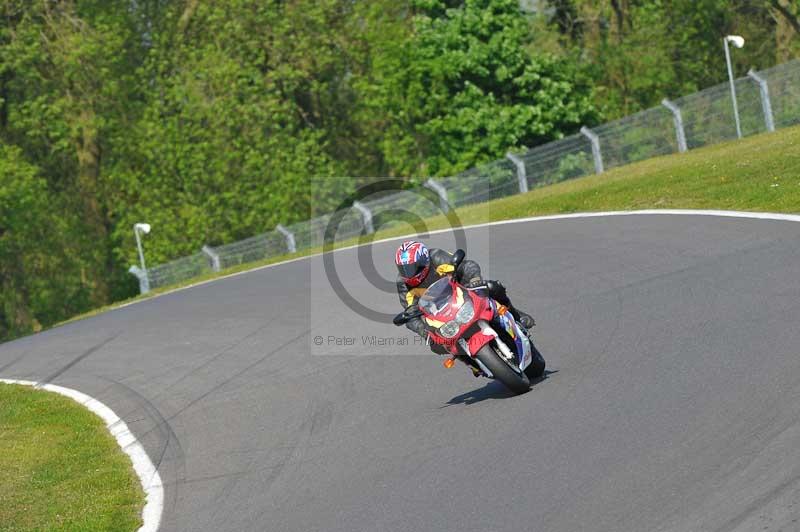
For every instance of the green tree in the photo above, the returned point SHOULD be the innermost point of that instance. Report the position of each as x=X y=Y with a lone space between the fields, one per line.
x=69 y=97
x=234 y=129
x=462 y=89
x=639 y=51
x=37 y=281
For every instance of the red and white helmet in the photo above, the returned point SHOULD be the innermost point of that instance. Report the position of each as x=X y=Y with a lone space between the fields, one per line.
x=413 y=262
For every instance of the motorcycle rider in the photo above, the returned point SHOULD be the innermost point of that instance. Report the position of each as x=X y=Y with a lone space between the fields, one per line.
x=418 y=268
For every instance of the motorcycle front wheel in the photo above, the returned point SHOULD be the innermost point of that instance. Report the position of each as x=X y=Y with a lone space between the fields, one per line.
x=537 y=366
x=516 y=382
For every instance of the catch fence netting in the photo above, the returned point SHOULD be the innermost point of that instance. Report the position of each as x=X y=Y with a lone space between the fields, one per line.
x=644 y=135
x=179 y=270
x=784 y=92
x=486 y=182
x=338 y=226
x=260 y=247
x=558 y=161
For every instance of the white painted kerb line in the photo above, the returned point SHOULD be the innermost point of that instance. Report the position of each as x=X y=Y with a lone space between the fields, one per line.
x=145 y=470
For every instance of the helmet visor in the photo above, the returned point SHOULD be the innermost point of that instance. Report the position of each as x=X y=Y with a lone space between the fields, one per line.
x=407 y=271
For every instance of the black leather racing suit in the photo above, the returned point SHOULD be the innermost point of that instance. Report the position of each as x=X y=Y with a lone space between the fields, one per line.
x=469 y=273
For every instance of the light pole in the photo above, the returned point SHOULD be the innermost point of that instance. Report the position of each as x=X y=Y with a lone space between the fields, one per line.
x=141 y=274
x=137 y=229
x=738 y=42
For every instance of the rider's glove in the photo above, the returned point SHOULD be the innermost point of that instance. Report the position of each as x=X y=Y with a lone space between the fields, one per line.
x=474 y=282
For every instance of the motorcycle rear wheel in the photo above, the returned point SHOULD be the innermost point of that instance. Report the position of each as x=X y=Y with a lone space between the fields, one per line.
x=502 y=371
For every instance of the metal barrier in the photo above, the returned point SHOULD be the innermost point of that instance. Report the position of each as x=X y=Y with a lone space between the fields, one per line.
x=253 y=249
x=178 y=270
x=767 y=100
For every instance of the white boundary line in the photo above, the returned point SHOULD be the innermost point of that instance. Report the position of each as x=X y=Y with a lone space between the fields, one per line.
x=145 y=470
x=648 y=212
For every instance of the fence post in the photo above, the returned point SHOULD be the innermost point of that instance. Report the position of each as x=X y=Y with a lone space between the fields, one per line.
x=522 y=175
x=291 y=245
x=766 y=105
x=597 y=155
x=678 y=119
x=213 y=256
x=441 y=192
x=144 y=281
x=366 y=214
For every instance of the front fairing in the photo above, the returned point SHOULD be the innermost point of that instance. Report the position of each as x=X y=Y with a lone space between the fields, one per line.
x=441 y=302
x=440 y=305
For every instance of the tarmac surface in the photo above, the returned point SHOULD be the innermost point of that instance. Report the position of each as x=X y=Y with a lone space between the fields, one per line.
x=672 y=400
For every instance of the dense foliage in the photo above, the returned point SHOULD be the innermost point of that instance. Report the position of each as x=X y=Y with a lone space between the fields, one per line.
x=210 y=119
x=463 y=90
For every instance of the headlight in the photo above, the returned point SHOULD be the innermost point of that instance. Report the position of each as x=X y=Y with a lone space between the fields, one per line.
x=465 y=313
x=449 y=329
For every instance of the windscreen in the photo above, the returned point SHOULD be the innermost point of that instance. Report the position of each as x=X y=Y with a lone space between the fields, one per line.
x=436 y=297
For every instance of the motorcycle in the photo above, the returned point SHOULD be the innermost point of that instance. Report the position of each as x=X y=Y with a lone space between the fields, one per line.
x=477 y=331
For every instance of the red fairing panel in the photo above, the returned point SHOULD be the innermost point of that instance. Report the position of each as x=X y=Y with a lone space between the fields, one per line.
x=484 y=311
x=477 y=341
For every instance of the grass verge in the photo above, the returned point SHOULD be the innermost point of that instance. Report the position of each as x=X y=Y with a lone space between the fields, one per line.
x=61 y=468
x=758 y=173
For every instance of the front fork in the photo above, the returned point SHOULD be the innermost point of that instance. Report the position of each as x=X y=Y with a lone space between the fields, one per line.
x=486 y=335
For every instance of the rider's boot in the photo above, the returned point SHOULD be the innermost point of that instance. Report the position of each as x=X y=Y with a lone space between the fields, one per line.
x=497 y=291
x=523 y=318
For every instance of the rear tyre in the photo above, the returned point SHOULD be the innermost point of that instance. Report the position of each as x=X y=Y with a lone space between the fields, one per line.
x=536 y=368
x=517 y=383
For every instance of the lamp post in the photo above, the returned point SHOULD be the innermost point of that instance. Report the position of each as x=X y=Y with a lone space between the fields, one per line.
x=141 y=274
x=738 y=42
x=137 y=229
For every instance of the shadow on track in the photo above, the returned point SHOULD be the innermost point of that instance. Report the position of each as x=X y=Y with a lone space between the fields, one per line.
x=492 y=390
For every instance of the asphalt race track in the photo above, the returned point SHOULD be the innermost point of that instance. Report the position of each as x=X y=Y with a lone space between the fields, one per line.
x=673 y=402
